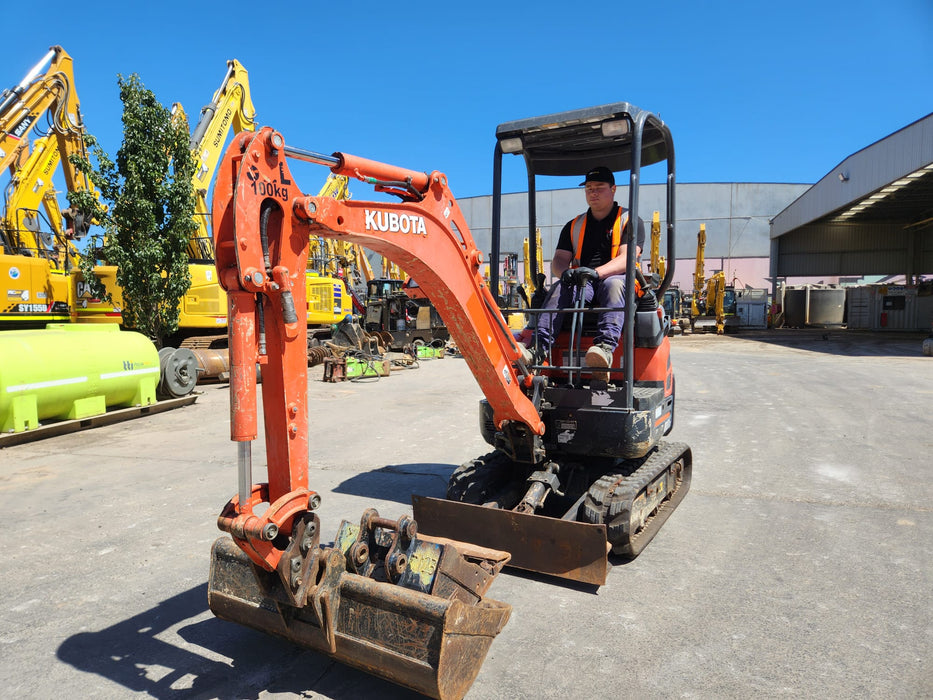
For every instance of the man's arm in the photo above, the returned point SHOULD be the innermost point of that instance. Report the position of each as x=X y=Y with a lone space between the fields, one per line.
x=560 y=262
x=616 y=266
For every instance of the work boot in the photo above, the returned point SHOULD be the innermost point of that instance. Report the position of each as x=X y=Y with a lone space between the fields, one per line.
x=599 y=356
x=531 y=356
x=527 y=355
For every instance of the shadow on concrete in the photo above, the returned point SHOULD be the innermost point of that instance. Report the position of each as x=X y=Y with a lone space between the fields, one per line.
x=551 y=580
x=397 y=482
x=173 y=651
x=839 y=341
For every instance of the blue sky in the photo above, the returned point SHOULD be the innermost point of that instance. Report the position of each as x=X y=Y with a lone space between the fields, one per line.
x=753 y=92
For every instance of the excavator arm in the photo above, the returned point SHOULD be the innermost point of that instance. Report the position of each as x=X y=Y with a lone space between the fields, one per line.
x=29 y=189
x=52 y=91
x=381 y=597
x=428 y=238
x=699 y=275
x=658 y=263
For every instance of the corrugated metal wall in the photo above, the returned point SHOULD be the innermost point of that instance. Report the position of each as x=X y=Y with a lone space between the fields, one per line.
x=874 y=249
x=737 y=216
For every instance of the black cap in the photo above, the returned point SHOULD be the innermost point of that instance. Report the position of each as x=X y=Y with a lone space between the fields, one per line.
x=600 y=174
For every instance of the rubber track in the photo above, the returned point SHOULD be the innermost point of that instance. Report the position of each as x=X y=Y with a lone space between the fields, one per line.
x=474 y=481
x=609 y=500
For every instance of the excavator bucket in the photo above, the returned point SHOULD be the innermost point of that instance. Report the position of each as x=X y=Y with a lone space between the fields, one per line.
x=401 y=606
x=564 y=548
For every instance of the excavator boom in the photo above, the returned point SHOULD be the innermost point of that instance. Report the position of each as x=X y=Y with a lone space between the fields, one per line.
x=231 y=107
x=427 y=236
x=50 y=91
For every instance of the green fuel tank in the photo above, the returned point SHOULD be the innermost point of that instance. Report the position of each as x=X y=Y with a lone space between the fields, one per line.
x=73 y=371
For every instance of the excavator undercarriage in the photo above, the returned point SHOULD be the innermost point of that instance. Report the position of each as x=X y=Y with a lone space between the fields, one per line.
x=616 y=505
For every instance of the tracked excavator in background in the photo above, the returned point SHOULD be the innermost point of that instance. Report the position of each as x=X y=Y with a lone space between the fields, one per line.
x=329 y=259
x=713 y=305
x=579 y=466
x=672 y=300
x=36 y=243
x=35 y=265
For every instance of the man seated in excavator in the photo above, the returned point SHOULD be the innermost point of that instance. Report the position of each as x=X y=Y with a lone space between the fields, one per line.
x=594 y=264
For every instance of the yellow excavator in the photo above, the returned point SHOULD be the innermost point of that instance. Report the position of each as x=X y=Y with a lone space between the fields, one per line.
x=36 y=265
x=33 y=224
x=347 y=261
x=535 y=282
x=327 y=284
x=390 y=270
x=658 y=263
x=675 y=306
x=713 y=303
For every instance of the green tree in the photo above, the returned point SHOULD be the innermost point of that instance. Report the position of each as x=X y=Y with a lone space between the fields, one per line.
x=151 y=214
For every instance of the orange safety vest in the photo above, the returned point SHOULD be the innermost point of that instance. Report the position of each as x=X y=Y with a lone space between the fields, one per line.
x=578 y=229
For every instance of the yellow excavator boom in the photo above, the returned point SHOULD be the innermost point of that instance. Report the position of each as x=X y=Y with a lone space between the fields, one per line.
x=36 y=265
x=230 y=108
x=699 y=276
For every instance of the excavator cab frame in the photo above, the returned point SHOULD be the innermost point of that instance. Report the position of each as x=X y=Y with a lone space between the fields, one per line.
x=619 y=136
x=568 y=495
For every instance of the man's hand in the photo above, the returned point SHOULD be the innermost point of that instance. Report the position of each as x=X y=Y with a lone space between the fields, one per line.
x=578 y=276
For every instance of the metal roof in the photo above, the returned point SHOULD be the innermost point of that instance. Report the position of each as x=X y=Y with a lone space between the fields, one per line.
x=574 y=142
x=871 y=214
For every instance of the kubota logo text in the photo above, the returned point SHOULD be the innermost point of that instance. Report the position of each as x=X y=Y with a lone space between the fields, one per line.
x=395 y=222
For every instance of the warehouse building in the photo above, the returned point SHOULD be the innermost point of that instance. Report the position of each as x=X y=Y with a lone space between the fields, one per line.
x=871 y=215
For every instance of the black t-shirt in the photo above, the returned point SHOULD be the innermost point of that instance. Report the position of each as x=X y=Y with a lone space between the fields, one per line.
x=597 y=238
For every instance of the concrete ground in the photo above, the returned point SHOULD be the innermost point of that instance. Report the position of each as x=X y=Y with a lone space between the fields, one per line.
x=799 y=565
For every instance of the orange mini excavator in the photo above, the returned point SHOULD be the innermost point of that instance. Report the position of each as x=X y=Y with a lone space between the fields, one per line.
x=578 y=467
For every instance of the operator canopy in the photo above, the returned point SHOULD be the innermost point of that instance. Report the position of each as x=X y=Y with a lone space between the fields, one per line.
x=575 y=142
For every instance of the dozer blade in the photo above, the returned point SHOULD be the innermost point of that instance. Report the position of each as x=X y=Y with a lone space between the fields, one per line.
x=432 y=642
x=563 y=548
